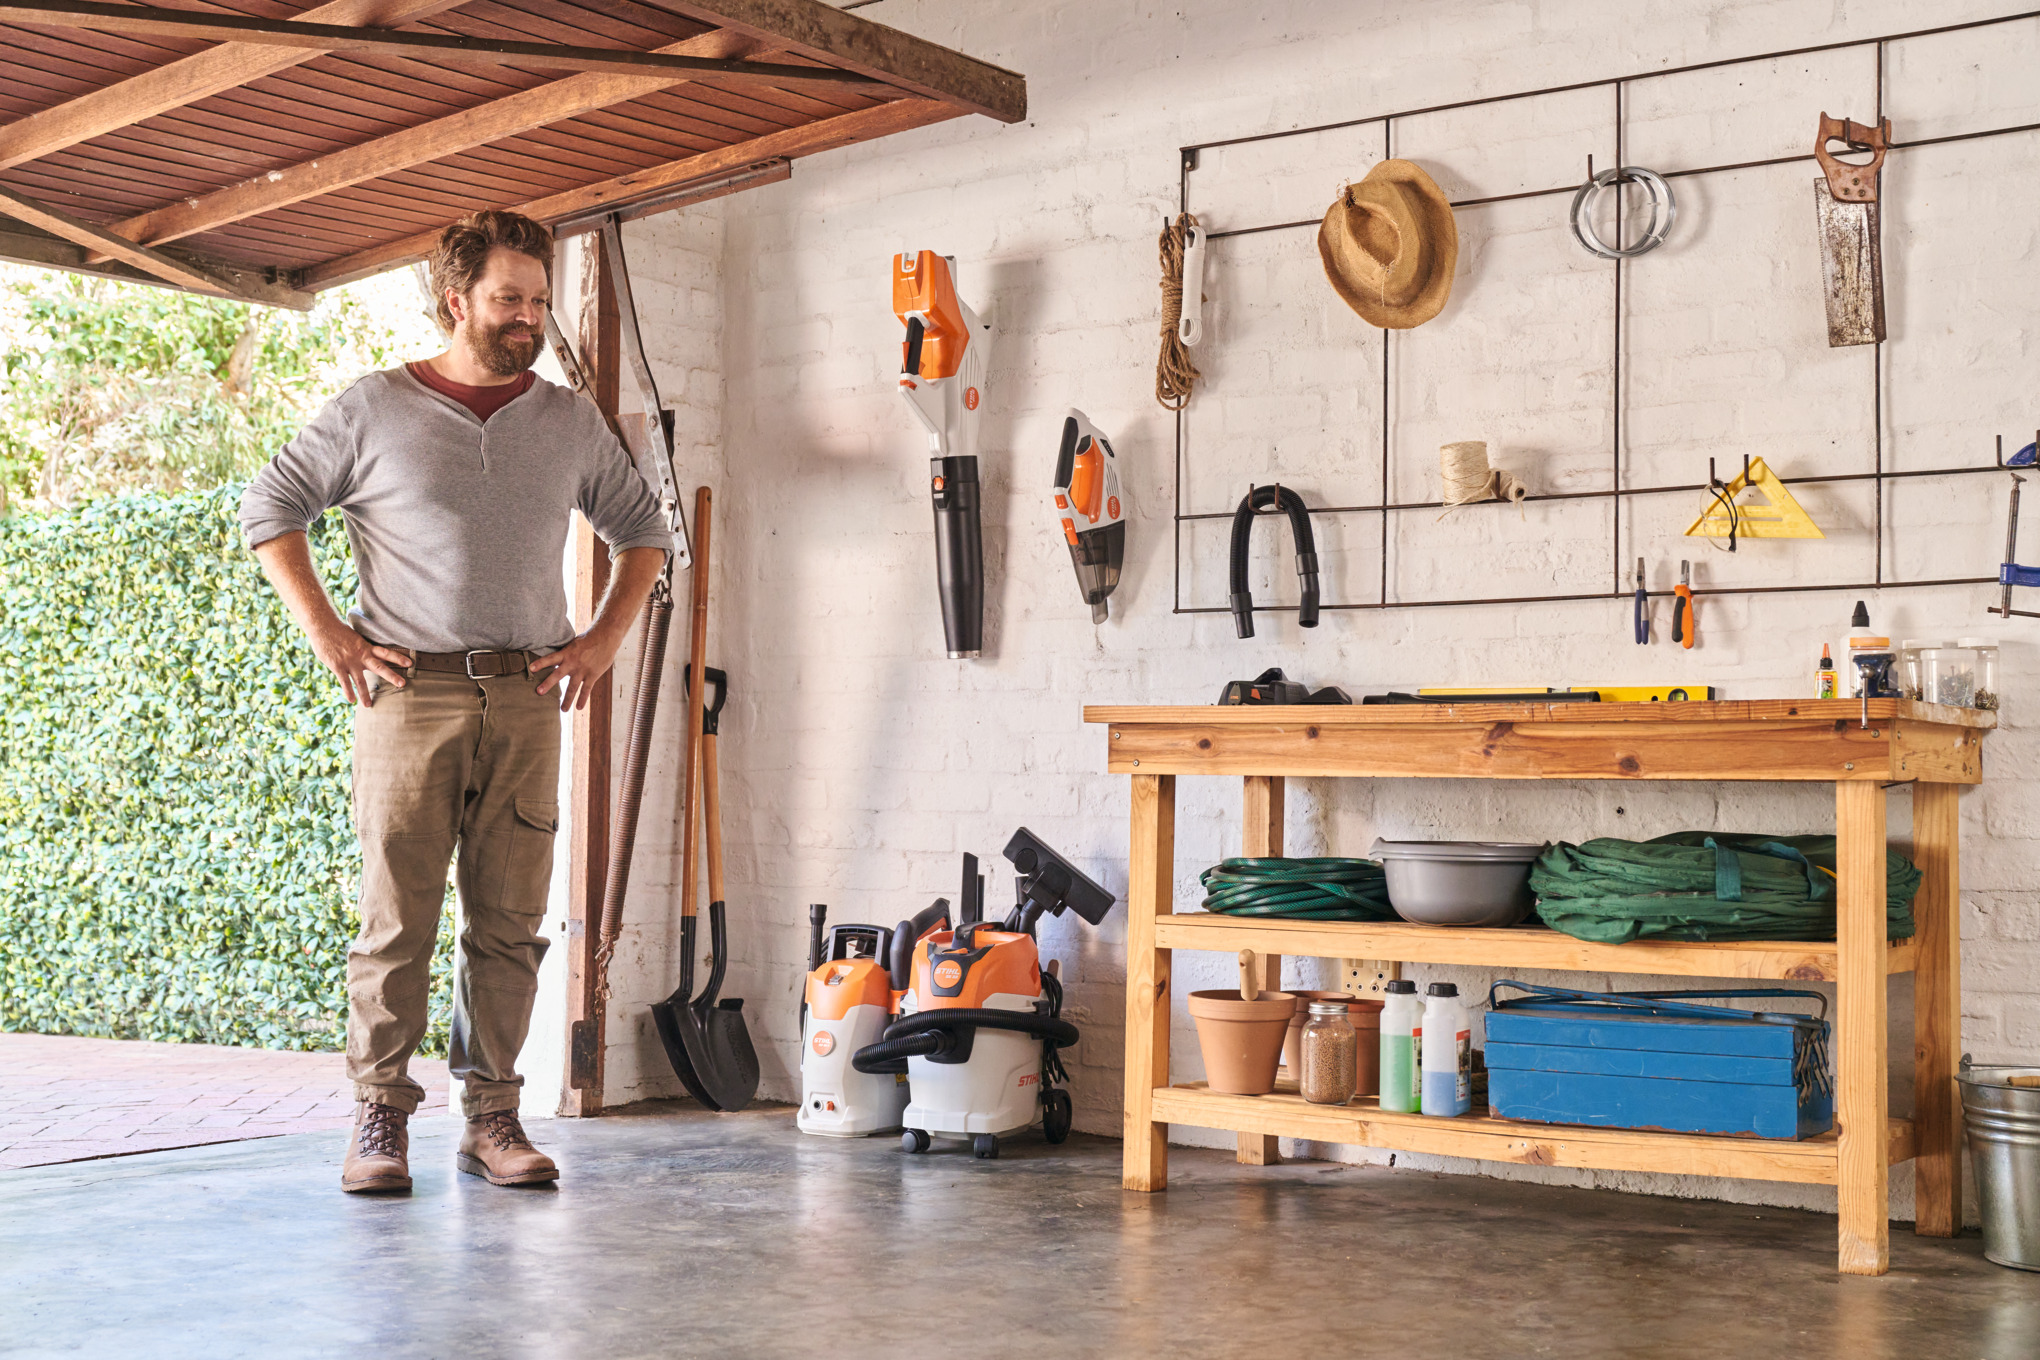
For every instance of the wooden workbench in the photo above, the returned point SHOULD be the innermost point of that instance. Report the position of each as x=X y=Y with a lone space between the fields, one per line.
x=1861 y=749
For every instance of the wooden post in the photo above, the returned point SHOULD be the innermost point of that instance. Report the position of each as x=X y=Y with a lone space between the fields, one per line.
x=1937 y=1012
x=1862 y=1096
x=1150 y=892
x=601 y=351
x=1261 y=838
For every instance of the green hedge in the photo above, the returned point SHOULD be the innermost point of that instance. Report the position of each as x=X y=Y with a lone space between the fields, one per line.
x=177 y=858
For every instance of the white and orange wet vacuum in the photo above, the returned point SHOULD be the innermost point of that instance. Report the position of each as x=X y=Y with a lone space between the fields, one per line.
x=981 y=1026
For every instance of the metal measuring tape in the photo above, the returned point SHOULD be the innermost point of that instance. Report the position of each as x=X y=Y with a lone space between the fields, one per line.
x=1663 y=209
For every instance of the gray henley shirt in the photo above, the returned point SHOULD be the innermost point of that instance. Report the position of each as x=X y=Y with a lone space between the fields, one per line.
x=459 y=528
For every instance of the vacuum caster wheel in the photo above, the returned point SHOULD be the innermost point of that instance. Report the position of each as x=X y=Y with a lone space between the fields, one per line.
x=1056 y=1115
x=985 y=1146
x=915 y=1140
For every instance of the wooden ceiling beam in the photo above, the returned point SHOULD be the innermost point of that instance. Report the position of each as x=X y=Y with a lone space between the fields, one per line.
x=186 y=81
x=212 y=26
x=726 y=164
x=431 y=141
x=811 y=28
x=180 y=270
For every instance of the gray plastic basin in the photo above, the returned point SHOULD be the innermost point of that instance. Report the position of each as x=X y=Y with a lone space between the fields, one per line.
x=1459 y=883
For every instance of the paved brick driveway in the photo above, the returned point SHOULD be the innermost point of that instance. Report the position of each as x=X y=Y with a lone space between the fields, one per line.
x=64 y=1099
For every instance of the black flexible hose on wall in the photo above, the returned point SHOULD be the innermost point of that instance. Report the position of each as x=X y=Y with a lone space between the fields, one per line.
x=1258 y=501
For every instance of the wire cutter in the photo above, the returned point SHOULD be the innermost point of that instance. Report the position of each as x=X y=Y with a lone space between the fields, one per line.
x=1642 y=607
x=1685 y=625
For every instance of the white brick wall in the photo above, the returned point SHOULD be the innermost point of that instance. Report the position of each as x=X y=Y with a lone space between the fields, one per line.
x=859 y=763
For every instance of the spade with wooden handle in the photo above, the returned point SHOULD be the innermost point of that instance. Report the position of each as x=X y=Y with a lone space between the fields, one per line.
x=1845 y=200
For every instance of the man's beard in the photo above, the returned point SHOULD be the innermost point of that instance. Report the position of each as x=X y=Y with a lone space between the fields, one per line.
x=506 y=350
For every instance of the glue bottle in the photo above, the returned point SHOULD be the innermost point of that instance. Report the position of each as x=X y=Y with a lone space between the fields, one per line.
x=1824 y=675
x=1402 y=1021
x=1448 y=1052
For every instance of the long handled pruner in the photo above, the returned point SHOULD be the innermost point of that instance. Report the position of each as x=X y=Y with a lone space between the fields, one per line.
x=659 y=610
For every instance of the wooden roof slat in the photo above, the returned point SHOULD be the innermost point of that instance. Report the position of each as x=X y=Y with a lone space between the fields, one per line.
x=811 y=28
x=29 y=245
x=300 y=167
x=59 y=223
x=455 y=47
x=426 y=142
x=185 y=81
x=809 y=138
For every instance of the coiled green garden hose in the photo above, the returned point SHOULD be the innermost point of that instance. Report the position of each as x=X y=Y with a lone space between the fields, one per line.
x=1320 y=889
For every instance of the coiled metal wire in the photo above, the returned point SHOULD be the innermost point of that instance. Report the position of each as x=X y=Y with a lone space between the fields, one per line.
x=1313 y=889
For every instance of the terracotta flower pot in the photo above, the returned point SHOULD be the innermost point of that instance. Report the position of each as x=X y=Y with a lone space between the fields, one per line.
x=1365 y=1017
x=1241 y=1040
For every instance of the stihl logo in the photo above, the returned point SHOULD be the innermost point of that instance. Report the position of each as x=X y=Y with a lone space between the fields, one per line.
x=825 y=1044
x=970 y=398
x=1031 y=1079
x=948 y=973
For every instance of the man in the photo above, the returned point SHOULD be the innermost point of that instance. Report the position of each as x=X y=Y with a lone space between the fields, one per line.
x=456 y=476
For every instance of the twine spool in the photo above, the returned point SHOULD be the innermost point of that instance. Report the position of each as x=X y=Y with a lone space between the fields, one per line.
x=1464 y=477
x=1175 y=375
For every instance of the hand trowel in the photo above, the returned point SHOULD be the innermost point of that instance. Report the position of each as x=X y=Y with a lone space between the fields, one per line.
x=1089 y=510
x=1845 y=198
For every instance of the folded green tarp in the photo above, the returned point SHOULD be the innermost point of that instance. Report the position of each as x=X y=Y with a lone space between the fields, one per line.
x=1701 y=885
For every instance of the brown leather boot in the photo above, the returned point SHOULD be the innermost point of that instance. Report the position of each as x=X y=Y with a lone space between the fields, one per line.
x=494 y=1147
x=378 y=1155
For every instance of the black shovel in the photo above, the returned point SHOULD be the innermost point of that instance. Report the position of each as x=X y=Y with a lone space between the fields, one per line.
x=704 y=1036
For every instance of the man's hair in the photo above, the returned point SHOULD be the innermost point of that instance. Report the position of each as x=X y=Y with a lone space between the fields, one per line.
x=464 y=249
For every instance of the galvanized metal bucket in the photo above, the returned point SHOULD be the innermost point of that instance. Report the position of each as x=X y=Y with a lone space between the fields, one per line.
x=2004 y=1142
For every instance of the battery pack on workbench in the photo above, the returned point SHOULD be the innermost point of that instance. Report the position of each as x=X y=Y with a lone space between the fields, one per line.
x=1654 y=1060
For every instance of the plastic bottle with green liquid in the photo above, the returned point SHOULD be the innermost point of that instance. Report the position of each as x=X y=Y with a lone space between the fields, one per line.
x=1402 y=1018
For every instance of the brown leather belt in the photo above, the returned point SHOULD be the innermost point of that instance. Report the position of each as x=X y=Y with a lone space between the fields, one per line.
x=474 y=665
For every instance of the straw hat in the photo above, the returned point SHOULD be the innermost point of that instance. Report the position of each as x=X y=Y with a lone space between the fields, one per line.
x=1389 y=246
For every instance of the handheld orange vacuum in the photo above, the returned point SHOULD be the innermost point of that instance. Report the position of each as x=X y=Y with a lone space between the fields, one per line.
x=942 y=377
x=1089 y=509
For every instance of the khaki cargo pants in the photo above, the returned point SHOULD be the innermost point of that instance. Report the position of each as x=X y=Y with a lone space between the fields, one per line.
x=450 y=765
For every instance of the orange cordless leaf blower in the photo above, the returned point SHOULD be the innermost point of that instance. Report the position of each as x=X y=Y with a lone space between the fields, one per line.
x=942 y=377
x=981 y=1027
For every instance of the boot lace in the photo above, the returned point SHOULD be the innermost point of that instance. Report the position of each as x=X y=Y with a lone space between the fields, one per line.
x=380 y=1128
x=503 y=1129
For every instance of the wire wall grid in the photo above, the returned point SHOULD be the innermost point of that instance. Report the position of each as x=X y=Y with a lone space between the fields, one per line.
x=1616 y=492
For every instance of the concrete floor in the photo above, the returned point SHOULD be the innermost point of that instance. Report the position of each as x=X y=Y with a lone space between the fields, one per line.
x=678 y=1233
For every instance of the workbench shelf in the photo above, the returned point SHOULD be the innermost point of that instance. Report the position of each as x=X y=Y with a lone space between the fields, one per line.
x=1861 y=748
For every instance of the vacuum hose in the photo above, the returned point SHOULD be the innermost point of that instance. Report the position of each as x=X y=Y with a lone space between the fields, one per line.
x=1258 y=501
x=933 y=1033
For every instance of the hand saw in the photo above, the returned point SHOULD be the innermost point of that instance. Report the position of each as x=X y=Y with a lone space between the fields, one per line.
x=1845 y=202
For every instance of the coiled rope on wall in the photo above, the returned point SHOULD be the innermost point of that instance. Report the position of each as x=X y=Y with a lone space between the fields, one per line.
x=1175 y=375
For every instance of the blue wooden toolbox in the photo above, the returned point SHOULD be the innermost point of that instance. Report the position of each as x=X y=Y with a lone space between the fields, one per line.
x=1654 y=1060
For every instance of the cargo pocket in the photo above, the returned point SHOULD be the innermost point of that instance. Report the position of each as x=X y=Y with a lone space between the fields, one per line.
x=527 y=880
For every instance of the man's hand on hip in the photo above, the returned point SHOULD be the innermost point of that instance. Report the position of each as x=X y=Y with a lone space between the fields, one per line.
x=353 y=658
x=577 y=666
